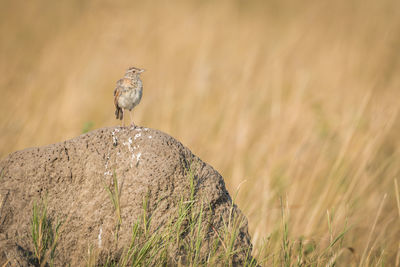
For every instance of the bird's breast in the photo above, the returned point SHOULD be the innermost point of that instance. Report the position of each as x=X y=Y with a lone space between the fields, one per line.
x=130 y=98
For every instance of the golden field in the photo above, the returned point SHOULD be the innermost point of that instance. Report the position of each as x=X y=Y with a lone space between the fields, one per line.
x=295 y=103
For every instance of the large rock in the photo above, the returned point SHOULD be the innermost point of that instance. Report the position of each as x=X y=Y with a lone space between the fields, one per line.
x=157 y=178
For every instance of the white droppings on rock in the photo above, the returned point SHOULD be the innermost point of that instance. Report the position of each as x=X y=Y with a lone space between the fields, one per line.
x=146 y=129
x=150 y=136
x=129 y=144
x=99 y=236
x=106 y=166
x=107 y=159
x=115 y=139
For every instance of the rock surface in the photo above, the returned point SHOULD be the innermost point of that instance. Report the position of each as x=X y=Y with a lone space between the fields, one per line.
x=72 y=177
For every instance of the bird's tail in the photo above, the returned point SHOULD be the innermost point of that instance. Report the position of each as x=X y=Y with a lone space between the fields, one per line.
x=119 y=113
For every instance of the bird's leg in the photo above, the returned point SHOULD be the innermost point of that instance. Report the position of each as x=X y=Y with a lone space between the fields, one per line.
x=123 y=117
x=132 y=123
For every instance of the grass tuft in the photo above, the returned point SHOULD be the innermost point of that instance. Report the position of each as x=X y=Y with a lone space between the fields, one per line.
x=44 y=234
x=114 y=193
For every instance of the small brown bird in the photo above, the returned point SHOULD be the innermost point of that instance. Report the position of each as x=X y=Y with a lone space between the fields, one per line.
x=128 y=93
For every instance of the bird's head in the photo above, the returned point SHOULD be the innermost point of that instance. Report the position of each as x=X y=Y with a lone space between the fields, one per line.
x=132 y=71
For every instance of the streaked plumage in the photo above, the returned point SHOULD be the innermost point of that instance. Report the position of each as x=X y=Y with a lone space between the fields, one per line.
x=128 y=92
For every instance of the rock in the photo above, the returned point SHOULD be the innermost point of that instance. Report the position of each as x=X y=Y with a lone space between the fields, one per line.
x=157 y=179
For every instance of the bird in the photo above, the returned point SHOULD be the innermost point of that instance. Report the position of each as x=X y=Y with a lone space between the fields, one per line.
x=128 y=93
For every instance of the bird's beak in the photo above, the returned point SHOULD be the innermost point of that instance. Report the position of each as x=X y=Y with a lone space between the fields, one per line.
x=141 y=70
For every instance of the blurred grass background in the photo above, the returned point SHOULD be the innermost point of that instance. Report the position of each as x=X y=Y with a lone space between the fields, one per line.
x=296 y=100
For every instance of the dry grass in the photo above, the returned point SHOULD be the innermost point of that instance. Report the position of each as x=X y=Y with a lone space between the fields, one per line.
x=298 y=99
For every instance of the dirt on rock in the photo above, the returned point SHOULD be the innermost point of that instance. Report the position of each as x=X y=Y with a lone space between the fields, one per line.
x=75 y=179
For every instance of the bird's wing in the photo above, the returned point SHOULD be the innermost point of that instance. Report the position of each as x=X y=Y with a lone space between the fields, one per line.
x=117 y=92
x=119 y=83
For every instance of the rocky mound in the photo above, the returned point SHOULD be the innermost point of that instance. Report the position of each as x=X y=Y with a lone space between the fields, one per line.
x=114 y=189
